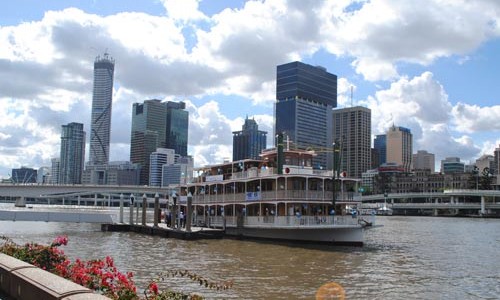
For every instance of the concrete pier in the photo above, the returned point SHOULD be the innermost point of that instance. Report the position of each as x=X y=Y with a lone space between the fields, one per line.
x=163 y=231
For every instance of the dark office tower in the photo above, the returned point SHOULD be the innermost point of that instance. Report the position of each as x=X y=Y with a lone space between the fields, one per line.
x=305 y=97
x=177 y=127
x=352 y=128
x=380 y=144
x=72 y=154
x=249 y=142
x=148 y=134
x=24 y=175
x=100 y=125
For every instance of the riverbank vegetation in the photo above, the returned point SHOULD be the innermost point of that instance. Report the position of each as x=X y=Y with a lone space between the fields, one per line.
x=101 y=275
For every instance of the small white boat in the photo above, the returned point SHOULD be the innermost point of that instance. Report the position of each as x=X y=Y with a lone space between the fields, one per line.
x=384 y=210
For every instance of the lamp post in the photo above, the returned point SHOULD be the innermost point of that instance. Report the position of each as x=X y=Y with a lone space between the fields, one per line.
x=189 y=211
x=174 y=210
x=476 y=173
x=334 y=171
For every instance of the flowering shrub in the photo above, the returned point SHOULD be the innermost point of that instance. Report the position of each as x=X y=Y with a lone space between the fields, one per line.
x=44 y=257
x=99 y=275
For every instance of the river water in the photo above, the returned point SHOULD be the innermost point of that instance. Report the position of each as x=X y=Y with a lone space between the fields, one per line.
x=407 y=258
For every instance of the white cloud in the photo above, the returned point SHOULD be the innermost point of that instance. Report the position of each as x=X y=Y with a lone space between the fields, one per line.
x=421 y=104
x=383 y=33
x=184 y=10
x=472 y=118
x=235 y=52
x=421 y=100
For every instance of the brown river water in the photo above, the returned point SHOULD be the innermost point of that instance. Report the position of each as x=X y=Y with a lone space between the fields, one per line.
x=407 y=258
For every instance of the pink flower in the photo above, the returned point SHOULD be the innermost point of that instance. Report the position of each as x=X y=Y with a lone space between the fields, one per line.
x=60 y=240
x=154 y=288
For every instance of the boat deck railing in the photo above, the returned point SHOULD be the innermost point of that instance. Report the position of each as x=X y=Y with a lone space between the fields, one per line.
x=288 y=195
x=283 y=221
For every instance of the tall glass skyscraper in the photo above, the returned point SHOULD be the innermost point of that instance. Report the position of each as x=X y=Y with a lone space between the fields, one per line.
x=148 y=134
x=177 y=127
x=72 y=154
x=305 y=97
x=102 y=98
x=380 y=144
x=249 y=142
x=157 y=124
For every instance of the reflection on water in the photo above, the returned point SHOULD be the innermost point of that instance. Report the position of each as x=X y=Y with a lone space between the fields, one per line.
x=408 y=258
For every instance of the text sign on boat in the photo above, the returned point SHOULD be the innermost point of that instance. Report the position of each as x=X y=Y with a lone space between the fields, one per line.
x=252 y=196
x=213 y=178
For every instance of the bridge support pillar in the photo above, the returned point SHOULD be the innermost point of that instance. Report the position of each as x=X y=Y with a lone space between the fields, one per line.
x=20 y=202
x=435 y=211
x=79 y=198
x=95 y=199
x=144 y=205
x=63 y=200
x=483 y=209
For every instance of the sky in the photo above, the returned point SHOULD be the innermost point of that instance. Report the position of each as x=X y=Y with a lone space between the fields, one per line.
x=430 y=65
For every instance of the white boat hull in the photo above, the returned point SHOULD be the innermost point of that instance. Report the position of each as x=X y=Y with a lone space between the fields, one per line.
x=349 y=235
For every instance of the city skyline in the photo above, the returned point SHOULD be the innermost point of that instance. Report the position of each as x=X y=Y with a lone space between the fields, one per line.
x=430 y=69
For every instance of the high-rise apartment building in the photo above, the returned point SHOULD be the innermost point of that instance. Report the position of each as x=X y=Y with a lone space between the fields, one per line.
x=380 y=145
x=72 y=154
x=305 y=97
x=423 y=160
x=399 y=141
x=148 y=134
x=55 y=169
x=177 y=127
x=102 y=98
x=352 y=128
x=249 y=142
x=157 y=159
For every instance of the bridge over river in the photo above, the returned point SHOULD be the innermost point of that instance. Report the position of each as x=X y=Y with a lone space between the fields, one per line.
x=481 y=202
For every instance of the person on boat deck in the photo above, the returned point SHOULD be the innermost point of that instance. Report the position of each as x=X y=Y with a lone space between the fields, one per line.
x=181 y=219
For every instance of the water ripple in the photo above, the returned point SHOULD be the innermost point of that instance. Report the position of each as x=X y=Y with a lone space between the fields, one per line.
x=408 y=258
